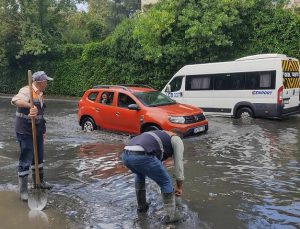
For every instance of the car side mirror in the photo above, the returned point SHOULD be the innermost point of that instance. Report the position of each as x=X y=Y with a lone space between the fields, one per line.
x=134 y=107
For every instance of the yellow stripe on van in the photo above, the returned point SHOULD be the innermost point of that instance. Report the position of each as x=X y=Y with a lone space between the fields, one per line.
x=290 y=66
x=291 y=82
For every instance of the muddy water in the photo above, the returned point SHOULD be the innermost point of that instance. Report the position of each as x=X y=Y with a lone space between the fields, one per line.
x=241 y=174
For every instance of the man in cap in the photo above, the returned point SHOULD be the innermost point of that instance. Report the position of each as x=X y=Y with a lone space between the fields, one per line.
x=23 y=130
x=143 y=155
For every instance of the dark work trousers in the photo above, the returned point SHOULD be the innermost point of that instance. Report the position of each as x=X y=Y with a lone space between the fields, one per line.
x=26 y=158
x=150 y=166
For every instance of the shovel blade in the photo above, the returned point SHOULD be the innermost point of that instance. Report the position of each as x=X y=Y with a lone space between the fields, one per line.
x=37 y=199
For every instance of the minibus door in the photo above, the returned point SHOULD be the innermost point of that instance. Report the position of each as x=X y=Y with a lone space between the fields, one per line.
x=291 y=83
x=175 y=89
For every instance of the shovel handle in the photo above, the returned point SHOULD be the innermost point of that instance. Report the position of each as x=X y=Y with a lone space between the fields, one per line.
x=35 y=152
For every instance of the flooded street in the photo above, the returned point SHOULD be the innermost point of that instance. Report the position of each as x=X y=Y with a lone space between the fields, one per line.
x=241 y=174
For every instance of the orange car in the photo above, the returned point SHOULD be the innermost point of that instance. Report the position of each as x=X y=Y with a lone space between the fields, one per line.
x=135 y=109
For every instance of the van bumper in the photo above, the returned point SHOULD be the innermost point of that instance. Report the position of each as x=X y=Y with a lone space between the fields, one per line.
x=274 y=110
x=289 y=111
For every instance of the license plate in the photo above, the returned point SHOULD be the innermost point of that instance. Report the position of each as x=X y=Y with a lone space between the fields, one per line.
x=199 y=129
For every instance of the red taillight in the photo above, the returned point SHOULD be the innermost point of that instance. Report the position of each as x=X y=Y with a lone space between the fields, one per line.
x=279 y=95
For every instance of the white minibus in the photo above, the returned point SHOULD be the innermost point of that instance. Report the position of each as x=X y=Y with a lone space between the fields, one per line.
x=265 y=85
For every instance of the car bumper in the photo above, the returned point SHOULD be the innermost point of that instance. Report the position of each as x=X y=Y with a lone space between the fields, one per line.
x=189 y=129
x=196 y=130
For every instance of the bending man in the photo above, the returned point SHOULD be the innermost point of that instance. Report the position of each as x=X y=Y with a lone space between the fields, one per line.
x=144 y=154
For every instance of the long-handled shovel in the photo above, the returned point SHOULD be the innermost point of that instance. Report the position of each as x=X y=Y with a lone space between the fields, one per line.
x=37 y=197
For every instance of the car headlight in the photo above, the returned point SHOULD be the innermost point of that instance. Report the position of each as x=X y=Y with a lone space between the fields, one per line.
x=177 y=119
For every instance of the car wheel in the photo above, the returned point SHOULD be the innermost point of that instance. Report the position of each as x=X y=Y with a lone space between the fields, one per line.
x=88 y=125
x=244 y=112
x=151 y=128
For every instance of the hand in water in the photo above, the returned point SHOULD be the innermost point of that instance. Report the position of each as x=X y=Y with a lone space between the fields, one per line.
x=178 y=191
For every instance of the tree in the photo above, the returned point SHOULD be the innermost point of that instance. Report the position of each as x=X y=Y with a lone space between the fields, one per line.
x=187 y=30
x=112 y=12
x=33 y=26
x=9 y=32
x=275 y=31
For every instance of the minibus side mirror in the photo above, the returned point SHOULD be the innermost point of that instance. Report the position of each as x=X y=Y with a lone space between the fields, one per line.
x=168 y=88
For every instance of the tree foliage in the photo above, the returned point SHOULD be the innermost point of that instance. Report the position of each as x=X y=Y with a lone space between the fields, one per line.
x=112 y=12
x=275 y=31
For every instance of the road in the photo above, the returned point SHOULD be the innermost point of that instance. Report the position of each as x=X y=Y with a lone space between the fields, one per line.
x=241 y=174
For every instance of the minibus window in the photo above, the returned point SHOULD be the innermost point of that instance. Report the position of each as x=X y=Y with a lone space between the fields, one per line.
x=198 y=82
x=219 y=82
x=260 y=80
x=265 y=80
x=239 y=81
x=176 y=83
x=229 y=81
x=252 y=80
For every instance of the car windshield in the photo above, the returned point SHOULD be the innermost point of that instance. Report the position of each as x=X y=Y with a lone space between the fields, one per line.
x=154 y=98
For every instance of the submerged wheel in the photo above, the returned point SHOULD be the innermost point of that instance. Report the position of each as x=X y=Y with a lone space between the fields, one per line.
x=150 y=128
x=244 y=112
x=88 y=124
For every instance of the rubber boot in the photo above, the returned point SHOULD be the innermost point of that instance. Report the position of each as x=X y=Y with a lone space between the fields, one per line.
x=44 y=184
x=140 y=191
x=170 y=208
x=23 y=186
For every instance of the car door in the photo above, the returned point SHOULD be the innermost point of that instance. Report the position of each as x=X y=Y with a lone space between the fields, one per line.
x=126 y=120
x=105 y=110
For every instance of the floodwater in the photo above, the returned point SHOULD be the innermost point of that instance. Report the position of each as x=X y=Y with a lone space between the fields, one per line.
x=241 y=174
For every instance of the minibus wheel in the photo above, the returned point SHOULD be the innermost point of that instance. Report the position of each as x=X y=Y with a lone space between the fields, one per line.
x=244 y=112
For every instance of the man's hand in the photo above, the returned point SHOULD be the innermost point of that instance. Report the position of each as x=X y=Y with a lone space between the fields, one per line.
x=33 y=111
x=178 y=191
x=178 y=188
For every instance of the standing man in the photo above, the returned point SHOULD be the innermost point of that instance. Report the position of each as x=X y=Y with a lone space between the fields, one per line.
x=24 y=130
x=143 y=155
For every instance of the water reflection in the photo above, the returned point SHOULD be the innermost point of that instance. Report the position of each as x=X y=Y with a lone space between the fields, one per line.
x=38 y=217
x=14 y=214
x=100 y=160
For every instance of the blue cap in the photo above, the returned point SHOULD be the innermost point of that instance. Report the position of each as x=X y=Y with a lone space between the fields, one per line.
x=40 y=76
